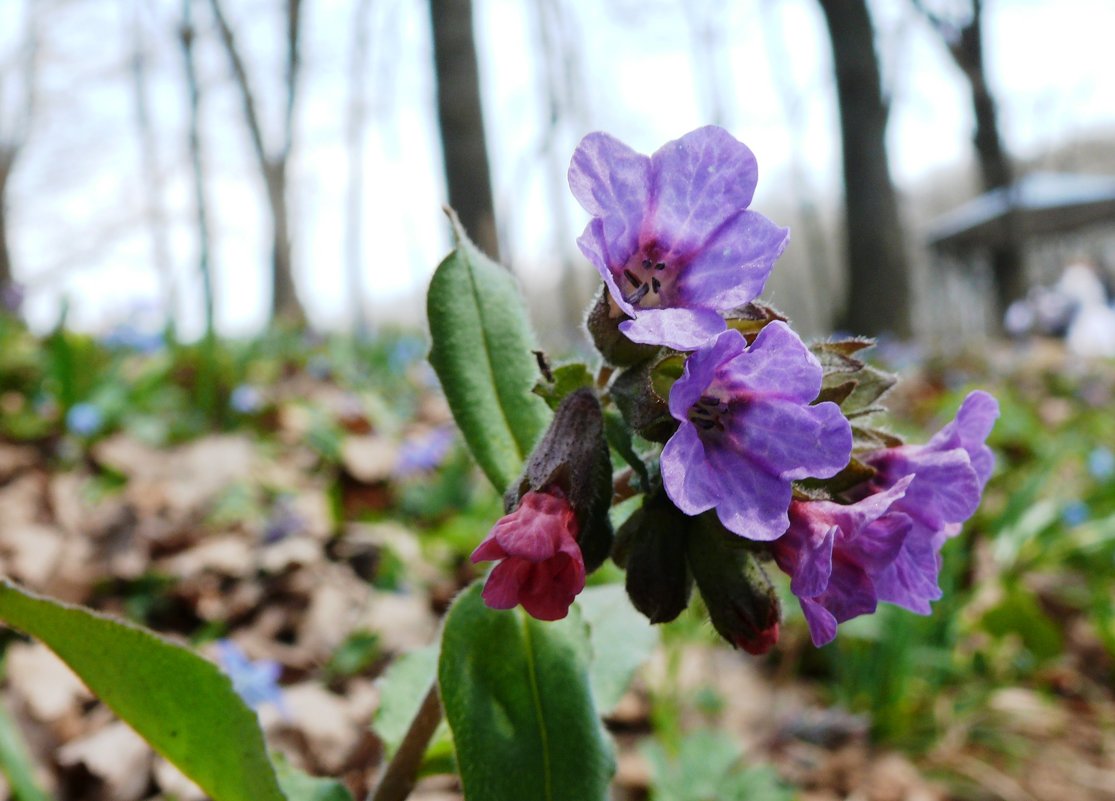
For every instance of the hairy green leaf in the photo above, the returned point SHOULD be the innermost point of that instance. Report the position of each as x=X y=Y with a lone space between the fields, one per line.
x=517 y=696
x=621 y=641
x=177 y=701
x=482 y=353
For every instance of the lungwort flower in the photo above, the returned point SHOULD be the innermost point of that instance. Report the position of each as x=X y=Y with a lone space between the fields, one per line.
x=748 y=430
x=671 y=233
x=949 y=473
x=541 y=564
x=834 y=552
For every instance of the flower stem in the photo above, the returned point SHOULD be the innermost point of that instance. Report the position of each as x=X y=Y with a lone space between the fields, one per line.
x=399 y=776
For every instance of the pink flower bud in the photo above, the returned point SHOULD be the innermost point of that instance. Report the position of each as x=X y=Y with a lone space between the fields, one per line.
x=541 y=566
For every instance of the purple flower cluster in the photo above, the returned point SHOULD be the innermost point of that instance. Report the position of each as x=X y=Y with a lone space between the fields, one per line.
x=751 y=413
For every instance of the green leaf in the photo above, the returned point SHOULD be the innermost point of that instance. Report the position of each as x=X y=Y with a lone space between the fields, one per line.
x=621 y=641
x=707 y=766
x=301 y=786
x=482 y=353
x=16 y=762
x=567 y=378
x=517 y=696
x=401 y=690
x=177 y=701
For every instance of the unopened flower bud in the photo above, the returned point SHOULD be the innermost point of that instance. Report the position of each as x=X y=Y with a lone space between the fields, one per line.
x=653 y=544
x=572 y=457
x=641 y=394
x=741 y=601
x=603 y=326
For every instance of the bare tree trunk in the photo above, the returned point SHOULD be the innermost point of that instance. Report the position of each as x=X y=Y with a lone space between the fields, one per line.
x=201 y=204
x=7 y=160
x=354 y=134
x=273 y=167
x=151 y=174
x=13 y=141
x=878 y=268
x=964 y=42
x=461 y=119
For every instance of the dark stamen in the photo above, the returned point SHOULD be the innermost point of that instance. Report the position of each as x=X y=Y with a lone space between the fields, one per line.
x=660 y=266
x=709 y=400
x=646 y=264
x=637 y=295
x=655 y=285
x=632 y=278
x=704 y=423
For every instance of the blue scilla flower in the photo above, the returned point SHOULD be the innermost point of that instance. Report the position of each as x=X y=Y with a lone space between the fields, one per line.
x=127 y=336
x=1075 y=514
x=84 y=419
x=255 y=682
x=246 y=399
x=1101 y=463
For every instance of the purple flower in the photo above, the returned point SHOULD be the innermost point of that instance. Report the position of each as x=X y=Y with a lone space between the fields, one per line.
x=834 y=552
x=949 y=473
x=84 y=419
x=255 y=682
x=671 y=233
x=748 y=430
x=424 y=452
x=246 y=399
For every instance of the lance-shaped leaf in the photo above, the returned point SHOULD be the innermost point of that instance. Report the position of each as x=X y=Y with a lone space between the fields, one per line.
x=517 y=696
x=482 y=353
x=177 y=701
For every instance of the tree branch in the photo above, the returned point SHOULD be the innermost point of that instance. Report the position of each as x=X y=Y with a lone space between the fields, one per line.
x=247 y=96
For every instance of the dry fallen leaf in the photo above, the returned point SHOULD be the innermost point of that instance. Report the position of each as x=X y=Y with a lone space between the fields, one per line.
x=50 y=689
x=116 y=755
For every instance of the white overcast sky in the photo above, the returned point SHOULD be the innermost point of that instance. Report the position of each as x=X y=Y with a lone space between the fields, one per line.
x=643 y=69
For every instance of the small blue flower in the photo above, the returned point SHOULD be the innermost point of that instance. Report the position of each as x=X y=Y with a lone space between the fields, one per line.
x=283 y=522
x=255 y=682
x=424 y=452
x=246 y=399
x=1101 y=463
x=127 y=336
x=84 y=419
x=1075 y=513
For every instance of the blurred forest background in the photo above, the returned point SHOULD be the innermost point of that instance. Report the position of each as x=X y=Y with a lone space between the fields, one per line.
x=294 y=156
x=218 y=219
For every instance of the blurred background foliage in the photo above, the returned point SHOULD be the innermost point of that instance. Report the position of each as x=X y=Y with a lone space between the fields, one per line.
x=217 y=220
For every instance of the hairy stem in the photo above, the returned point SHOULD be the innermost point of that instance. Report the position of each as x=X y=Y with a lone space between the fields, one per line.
x=401 y=772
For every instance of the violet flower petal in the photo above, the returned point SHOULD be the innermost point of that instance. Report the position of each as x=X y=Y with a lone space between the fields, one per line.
x=612 y=182
x=734 y=265
x=680 y=329
x=698 y=183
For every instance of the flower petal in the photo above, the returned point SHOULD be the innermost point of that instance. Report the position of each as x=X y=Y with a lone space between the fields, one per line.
x=592 y=243
x=814 y=563
x=501 y=591
x=733 y=266
x=686 y=475
x=752 y=502
x=793 y=441
x=698 y=182
x=822 y=625
x=612 y=182
x=677 y=328
x=778 y=364
x=701 y=368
